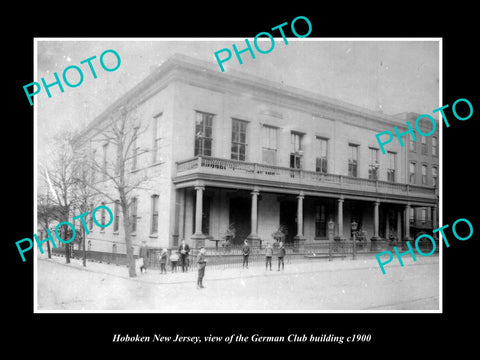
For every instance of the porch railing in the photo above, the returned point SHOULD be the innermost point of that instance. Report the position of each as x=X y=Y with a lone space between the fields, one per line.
x=258 y=171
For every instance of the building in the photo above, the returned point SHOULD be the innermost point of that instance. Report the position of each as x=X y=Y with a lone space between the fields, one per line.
x=230 y=150
x=423 y=165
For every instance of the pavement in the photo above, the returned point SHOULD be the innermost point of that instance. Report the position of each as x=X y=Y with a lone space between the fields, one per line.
x=306 y=285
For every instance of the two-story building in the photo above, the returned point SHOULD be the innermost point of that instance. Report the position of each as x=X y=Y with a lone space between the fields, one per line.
x=234 y=150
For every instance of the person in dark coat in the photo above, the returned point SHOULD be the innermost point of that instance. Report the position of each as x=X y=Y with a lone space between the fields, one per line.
x=163 y=261
x=246 y=253
x=281 y=255
x=268 y=255
x=184 y=250
x=201 y=263
x=143 y=255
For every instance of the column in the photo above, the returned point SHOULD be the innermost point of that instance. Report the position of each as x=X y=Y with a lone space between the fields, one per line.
x=253 y=237
x=407 y=223
x=340 y=218
x=399 y=225
x=299 y=235
x=198 y=237
x=376 y=206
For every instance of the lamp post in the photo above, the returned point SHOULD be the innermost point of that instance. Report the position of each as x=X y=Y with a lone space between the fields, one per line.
x=354 y=231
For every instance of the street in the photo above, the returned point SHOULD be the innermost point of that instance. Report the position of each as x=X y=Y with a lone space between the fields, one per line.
x=312 y=285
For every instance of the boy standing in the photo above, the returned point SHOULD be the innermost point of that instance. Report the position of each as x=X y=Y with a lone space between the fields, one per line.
x=245 y=252
x=268 y=256
x=281 y=254
x=201 y=263
x=163 y=261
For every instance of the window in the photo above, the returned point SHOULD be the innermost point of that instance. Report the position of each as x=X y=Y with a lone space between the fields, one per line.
x=239 y=139
x=424 y=145
x=116 y=216
x=296 y=150
x=320 y=221
x=412 y=144
x=203 y=134
x=269 y=149
x=434 y=146
x=435 y=175
x=412 y=173
x=352 y=160
x=105 y=150
x=134 y=154
x=92 y=167
x=156 y=138
x=392 y=165
x=424 y=174
x=374 y=164
x=133 y=214
x=154 y=222
x=321 y=164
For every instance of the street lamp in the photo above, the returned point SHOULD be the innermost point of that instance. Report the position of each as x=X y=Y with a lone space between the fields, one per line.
x=354 y=231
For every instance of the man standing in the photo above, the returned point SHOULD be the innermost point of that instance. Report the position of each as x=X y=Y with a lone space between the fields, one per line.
x=201 y=263
x=184 y=251
x=245 y=252
x=268 y=256
x=281 y=255
x=143 y=256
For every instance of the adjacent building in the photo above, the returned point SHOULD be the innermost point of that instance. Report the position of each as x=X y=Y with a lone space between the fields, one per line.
x=231 y=151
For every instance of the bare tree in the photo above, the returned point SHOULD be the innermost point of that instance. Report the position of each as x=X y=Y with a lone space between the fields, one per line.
x=59 y=175
x=84 y=192
x=47 y=212
x=121 y=130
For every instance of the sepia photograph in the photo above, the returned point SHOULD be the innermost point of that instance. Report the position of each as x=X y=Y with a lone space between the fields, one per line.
x=227 y=175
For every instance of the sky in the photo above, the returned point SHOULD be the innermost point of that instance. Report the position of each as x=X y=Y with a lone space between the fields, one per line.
x=388 y=76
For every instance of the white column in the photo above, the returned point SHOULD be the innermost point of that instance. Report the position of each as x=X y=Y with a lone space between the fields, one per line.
x=198 y=211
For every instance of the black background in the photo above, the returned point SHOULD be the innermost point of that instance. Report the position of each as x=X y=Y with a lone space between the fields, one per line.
x=89 y=334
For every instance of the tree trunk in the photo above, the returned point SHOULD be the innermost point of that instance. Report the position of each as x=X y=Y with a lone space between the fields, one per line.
x=128 y=241
x=67 y=246
x=83 y=247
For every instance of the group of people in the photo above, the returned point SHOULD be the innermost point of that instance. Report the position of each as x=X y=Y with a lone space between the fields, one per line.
x=268 y=255
x=182 y=255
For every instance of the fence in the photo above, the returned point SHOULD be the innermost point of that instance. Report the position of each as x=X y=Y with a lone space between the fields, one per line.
x=231 y=256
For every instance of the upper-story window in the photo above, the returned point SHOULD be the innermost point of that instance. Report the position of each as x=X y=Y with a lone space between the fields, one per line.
x=374 y=164
x=156 y=138
x=104 y=165
x=269 y=147
x=434 y=146
x=352 y=160
x=412 y=145
x=412 y=176
x=392 y=165
x=239 y=139
x=424 y=174
x=321 y=162
x=424 y=145
x=435 y=175
x=203 y=133
x=296 y=150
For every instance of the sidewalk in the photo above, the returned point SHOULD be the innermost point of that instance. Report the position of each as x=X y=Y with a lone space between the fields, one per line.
x=307 y=285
